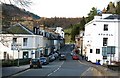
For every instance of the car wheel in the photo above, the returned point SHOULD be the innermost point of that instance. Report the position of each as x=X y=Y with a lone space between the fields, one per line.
x=40 y=66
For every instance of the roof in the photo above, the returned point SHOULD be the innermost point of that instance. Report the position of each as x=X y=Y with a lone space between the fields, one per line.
x=114 y=16
x=18 y=29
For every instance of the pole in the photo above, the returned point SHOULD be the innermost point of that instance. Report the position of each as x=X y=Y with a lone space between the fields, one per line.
x=18 y=58
x=13 y=57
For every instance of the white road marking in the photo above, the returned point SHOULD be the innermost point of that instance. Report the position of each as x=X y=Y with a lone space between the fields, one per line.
x=83 y=74
x=50 y=74
x=56 y=69
x=21 y=73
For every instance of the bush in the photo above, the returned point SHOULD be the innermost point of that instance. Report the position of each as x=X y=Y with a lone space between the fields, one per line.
x=8 y=63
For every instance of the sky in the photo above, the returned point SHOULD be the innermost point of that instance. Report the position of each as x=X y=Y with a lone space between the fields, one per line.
x=66 y=8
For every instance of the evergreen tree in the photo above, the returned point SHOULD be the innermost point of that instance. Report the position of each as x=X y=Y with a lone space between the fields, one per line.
x=111 y=8
x=82 y=23
x=118 y=8
x=92 y=13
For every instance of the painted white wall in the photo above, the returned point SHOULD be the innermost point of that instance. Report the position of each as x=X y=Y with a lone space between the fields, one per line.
x=94 y=35
x=59 y=30
x=32 y=45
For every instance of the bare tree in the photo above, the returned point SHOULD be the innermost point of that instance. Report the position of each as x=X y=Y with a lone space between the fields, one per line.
x=18 y=2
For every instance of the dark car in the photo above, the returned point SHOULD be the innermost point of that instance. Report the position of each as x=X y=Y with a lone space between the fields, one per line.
x=75 y=57
x=44 y=60
x=62 y=57
x=35 y=63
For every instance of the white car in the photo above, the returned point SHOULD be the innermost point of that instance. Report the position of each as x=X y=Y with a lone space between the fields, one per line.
x=56 y=55
x=51 y=58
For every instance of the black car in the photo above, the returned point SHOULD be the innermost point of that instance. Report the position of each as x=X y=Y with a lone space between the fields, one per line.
x=35 y=63
x=62 y=57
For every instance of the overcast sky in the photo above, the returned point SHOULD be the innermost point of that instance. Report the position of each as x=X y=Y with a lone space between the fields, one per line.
x=66 y=8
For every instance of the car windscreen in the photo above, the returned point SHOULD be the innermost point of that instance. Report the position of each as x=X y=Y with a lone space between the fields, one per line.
x=42 y=58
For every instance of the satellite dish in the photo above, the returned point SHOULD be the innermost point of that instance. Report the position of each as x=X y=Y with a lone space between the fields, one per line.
x=99 y=12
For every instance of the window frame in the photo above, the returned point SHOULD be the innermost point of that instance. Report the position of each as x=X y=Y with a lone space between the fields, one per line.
x=14 y=40
x=105 y=27
x=25 y=40
x=105 y=41
x=97 y=51
x=91 y=50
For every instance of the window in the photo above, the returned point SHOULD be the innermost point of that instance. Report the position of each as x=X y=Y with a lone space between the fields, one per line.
x=105 y=27
x=5 y=55
x=25 y=41
x=97 y=51
x=14 y=40
x=105 y=40
x=90 y=50
x=25 y=55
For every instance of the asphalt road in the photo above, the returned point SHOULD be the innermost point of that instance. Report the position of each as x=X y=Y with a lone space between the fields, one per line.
x=57 y=68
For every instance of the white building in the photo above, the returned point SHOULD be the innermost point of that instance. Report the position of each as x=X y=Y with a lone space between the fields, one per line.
x=20 y=42
x=102 y=39
x=60 y=31
x=23 y=40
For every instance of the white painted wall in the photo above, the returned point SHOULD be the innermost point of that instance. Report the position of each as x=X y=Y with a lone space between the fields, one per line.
x=95 y=39
x=59 y=30
x=32 y=45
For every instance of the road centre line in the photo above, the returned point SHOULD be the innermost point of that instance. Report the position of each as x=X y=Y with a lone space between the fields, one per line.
x=49 y=74
x=56 y=69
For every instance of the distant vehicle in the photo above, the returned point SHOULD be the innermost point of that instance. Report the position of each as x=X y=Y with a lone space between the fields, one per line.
x=44 y=60
x=35 y=63
x=75 y=57
x=72 y=53
x=62 y=57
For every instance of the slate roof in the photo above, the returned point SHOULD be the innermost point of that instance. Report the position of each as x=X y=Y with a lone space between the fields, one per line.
x=114 y=16
x=18 y=29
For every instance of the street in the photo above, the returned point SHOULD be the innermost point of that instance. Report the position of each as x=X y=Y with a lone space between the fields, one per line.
x=67 y=67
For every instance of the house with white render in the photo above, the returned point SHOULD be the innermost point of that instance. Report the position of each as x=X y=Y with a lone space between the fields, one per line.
x=102 y=39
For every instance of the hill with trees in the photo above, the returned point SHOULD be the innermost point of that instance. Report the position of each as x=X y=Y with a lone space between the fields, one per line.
x=11 y=12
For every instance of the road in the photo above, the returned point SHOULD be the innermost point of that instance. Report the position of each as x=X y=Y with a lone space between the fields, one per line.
x=67 y=67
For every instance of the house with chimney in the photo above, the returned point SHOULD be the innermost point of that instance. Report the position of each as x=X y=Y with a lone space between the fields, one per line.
x=101 y=41
x=20 y=42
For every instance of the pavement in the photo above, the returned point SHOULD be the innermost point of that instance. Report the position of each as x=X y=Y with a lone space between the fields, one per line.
x=9 y=71
x=100 y=70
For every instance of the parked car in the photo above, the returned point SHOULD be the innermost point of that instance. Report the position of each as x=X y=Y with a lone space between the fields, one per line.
x=51 y=58
x=35 y=63
x=75 y=57
x=55 y=55
x=44 y=60
x=62 y=57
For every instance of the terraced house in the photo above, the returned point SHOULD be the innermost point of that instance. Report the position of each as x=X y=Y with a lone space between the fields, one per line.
x=102 y=39
x=21 y=43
